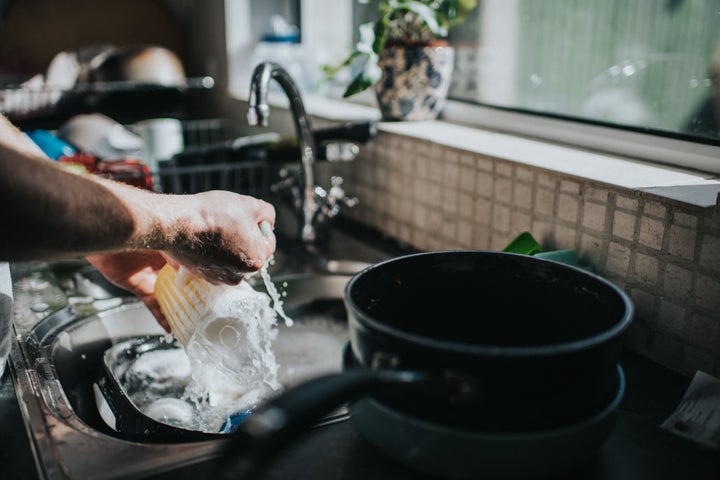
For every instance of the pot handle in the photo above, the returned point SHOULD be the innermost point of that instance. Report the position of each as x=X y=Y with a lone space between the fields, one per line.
x=281 y=420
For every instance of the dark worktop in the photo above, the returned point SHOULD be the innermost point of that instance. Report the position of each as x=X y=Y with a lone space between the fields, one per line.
x=637 y=448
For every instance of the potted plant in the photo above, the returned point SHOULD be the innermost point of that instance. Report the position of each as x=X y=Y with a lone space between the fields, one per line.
x=407 y=57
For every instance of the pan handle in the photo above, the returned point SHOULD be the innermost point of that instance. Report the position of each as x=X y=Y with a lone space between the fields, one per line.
x=277 y=423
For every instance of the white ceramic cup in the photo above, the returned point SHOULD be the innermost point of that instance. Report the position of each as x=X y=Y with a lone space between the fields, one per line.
x=163 y=138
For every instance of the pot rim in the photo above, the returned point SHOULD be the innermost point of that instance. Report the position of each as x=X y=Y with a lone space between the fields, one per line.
x=493 y=350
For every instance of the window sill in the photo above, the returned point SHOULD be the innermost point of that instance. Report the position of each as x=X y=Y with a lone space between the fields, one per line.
x=686 y=187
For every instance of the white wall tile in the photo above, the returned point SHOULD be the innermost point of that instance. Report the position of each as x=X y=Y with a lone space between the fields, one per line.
x=545 y=201
x=467 y=179
x=681 y=242
x=677 y=281
x=655 y=209
x=624 y=225
x=483 y=184
x=568 y=207
x=523 y=195
x=710 y=252
x=645 y=270
x=627 y=203
x=618 y=260
x=594 y=216
x=651 y=233
x=502 y=191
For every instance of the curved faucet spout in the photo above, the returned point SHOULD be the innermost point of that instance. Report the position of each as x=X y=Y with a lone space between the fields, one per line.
x=258 y=115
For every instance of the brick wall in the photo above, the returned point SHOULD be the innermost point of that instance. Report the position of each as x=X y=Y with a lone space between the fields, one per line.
x=664 y=253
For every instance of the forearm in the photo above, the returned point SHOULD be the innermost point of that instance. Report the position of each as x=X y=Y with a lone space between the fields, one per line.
x=49 y=212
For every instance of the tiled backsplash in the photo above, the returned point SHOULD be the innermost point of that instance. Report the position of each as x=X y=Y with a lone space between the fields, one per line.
x=664 y=253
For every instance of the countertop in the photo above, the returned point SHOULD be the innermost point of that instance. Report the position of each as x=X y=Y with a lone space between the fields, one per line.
x=637 y=448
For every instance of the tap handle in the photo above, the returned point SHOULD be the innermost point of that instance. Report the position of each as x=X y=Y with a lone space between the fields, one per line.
x=337 y=193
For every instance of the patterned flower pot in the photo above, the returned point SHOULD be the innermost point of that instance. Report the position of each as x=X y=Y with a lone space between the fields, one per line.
x=415 y=81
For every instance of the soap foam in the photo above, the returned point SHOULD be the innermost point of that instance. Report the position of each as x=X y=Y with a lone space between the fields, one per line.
x=230 y=351
x=227 y=334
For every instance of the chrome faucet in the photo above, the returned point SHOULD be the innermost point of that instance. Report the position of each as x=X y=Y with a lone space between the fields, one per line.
x=314 y=204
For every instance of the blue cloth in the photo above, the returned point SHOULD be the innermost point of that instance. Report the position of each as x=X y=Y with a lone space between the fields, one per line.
x=53 y=147
x=231 y=423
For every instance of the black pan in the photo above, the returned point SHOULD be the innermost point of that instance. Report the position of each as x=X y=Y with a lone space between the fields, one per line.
x=479 y=340
x=539 y=340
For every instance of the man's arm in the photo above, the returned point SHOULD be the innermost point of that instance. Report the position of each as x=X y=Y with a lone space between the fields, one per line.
x=49 y=212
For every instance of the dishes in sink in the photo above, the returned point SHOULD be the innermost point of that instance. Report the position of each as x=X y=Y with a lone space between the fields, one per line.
x=141 y=390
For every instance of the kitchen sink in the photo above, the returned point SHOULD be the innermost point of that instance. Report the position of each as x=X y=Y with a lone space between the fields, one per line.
x=58 y=360
x=61 y=359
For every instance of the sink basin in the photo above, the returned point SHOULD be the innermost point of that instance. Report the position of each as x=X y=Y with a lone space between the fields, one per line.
x=61 y=358
x=64 y=325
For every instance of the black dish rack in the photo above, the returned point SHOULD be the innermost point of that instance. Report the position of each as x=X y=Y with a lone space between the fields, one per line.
x=47 y=107
x=41 y=107
x=198 y=172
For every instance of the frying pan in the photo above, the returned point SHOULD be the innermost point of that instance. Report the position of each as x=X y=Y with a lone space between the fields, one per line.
x=479 y=340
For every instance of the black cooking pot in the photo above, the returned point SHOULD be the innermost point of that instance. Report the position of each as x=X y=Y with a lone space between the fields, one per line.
x=484 y=341
x=537 y=342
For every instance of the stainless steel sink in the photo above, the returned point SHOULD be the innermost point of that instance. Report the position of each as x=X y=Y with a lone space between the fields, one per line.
x=59 y=359
x=66 y=318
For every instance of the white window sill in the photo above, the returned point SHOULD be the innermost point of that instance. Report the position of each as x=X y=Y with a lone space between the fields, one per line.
x=688 y=187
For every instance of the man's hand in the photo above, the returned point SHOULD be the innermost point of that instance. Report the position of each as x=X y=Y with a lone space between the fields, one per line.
x=135 y=271
x=218 y=236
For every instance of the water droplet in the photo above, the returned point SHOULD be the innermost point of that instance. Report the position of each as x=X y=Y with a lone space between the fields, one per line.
x=628 y=70
x=39 y=307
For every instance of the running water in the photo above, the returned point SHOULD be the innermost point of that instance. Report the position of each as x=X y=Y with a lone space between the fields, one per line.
x=272 y=291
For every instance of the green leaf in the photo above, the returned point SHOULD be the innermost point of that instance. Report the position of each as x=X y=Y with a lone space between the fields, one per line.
x=332 y=70
x=370 y=74
x=380 y=31
x=359 y=84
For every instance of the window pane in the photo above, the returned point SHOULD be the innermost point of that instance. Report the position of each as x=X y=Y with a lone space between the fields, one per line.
x=651 y=65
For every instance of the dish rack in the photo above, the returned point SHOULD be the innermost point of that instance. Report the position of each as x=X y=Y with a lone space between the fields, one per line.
x=194 y=173
x=34 y=104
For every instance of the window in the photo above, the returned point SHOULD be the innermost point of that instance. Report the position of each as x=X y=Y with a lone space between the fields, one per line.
x=641 y=64
x=638 y=77
x=323 y=36
x=634 y=77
